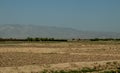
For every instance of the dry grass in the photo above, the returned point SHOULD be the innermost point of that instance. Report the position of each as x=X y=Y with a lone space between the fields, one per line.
x=27 y=57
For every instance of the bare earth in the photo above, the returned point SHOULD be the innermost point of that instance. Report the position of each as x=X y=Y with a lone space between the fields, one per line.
x=28 y=57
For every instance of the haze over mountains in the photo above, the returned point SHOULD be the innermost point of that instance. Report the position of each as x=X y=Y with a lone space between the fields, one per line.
x=24 y=31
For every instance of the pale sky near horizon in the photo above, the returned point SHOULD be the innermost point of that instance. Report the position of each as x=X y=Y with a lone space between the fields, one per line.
x=90 y=15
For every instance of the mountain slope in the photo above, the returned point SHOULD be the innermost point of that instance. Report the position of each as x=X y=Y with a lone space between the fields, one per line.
x=24 y=31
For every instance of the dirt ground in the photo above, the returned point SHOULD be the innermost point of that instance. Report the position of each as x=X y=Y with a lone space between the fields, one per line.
x=28 y=57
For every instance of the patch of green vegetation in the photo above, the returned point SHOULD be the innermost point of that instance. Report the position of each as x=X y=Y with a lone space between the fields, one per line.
x=84 y=70
x=111 y=71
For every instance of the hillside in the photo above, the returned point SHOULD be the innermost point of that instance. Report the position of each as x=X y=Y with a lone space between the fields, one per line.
x=23 y=31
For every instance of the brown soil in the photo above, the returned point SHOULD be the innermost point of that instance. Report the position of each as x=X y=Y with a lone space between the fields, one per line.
x=20 y=59
x=25 y=54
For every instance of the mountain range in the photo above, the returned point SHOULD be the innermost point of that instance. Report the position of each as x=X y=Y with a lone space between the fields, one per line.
x=24 y=31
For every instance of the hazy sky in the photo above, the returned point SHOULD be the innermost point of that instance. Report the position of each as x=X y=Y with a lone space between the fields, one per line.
x=98 y=15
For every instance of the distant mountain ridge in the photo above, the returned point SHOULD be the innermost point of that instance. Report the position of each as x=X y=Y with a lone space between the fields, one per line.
x=24 y=31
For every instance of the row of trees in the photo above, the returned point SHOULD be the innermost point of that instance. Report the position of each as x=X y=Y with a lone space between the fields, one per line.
x=32 y=39
x=53 y=39
x=44 y=39
x=105 y=39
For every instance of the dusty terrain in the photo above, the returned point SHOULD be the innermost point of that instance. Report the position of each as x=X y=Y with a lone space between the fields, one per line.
x=33 y=57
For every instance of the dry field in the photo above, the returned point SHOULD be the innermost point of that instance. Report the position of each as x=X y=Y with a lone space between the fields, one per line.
x=34 y=57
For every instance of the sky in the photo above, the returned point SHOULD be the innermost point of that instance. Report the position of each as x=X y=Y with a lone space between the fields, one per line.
x=89 y=15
